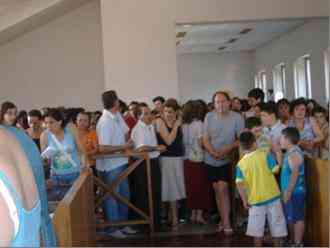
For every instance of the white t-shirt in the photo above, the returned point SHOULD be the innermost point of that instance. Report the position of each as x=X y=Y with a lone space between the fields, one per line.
x=111 y=130
x=144 y=135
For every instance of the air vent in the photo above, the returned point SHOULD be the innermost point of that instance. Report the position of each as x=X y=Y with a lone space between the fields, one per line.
x=232 y=40
x=181 y=34
x=221 y=48
x=246 y=30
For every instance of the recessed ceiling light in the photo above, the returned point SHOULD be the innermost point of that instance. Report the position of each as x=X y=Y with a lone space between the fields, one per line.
x=246 y=30
x=181 y=34
x=232 y=40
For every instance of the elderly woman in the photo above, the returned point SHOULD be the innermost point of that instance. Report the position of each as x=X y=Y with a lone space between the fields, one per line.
x=170 y=135
x=311 y=136
x=20 y=208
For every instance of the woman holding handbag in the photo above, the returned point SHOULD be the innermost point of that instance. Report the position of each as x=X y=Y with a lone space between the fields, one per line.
x=60 y=147
x=197 y=186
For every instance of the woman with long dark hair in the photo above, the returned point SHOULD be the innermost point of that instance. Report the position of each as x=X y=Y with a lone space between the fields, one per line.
x=60 y=147
x=8 y=114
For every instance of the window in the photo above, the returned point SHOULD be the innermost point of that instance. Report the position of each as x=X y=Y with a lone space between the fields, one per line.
x=327 y=73
x=279 y=81
x=261 y=82
x=257 y=82
x=302 y=77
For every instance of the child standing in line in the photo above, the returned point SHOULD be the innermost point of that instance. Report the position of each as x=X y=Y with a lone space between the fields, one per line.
x=293 y=185
x=259 y=191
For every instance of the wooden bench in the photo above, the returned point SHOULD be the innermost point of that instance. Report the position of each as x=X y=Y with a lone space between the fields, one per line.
x=74 y=218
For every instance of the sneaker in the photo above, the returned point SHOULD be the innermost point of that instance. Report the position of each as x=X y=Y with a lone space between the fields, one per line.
x=128 y=230
x=117 y=234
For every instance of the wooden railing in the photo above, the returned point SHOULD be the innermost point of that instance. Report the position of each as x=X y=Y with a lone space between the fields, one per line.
x=317 y=202
x=147 y=218
x=74 y=218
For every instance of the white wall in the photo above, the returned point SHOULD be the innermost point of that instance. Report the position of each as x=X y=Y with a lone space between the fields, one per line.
x=139 y=37
x=202 y=74
x=311 y=38
x=59 y=63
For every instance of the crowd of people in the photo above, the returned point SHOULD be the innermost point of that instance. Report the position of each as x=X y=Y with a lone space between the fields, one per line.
x=192 y=153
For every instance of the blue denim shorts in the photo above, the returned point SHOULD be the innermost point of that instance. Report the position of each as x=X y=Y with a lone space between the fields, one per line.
x=294 y=209
x=61 y=185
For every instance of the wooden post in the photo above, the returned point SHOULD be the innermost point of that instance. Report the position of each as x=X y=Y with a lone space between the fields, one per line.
x=151 y=205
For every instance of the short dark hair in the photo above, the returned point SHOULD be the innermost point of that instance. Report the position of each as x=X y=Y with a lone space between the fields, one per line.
x=139 y=108
x=123 y=106
x=35 y=113
x=88 y=114
x=109 y=99
x=133 y=103
x=292 y=134
x=246 y=140
x=319 y=109
x=297 y=102
x=158 y=98
x=269 y=108
x=283 y=101
x=257 y=94
x=224 y=93
x=252 y=122
x=172 y=103
x=245 y=105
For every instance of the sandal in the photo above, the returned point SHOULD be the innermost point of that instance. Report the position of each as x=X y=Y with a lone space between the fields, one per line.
x=219 y=228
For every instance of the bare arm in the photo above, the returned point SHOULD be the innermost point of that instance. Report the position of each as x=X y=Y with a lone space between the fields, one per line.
x=80 y=147
x=208 y=147
x=43 y=141
x=295 y=162
x=317 y=131
x=242 y=192
x=167 y=136
x=113 y=149
x=7 y=225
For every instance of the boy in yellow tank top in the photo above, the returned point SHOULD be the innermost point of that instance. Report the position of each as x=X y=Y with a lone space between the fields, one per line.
x=259 y=191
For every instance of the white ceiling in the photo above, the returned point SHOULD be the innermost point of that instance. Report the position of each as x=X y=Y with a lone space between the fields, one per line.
x=20 y=16
x=209 y=37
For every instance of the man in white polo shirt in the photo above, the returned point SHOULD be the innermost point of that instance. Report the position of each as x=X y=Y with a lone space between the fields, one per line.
x=112 y=133
x=144 y=138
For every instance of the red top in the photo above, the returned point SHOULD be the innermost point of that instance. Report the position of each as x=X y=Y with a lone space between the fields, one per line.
x=130 y=121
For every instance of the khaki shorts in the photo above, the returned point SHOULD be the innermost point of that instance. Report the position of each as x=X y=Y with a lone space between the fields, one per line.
x=275 y=217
